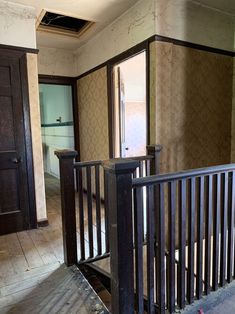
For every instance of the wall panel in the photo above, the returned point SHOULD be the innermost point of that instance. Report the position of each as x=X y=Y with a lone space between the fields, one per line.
x=93 y=116
x=193 y=96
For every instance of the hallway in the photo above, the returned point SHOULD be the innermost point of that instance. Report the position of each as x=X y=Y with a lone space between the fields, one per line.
x=33 y=278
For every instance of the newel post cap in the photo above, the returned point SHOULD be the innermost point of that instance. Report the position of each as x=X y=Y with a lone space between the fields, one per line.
x=120 y=165
x=66 y=153
x=154 y=148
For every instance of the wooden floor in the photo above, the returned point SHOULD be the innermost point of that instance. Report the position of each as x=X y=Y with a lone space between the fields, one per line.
x=33 y=278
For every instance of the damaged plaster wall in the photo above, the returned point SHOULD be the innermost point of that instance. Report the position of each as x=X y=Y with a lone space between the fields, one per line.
x=184 y=20
x=55 y=61
x=36 y=137
x=190 y=21
x=131 y=28
x=17 y=25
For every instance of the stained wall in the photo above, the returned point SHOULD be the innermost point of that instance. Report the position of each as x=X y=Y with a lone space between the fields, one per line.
x=93 y=116
x=55 y=61
x=36 y=136
x=191 y=101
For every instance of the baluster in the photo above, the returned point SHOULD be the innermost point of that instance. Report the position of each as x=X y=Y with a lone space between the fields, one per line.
x=106 y=213
x=160 y=260
x=98 y=218
x=138 y=220
x=81 y=213
x=208 y=230
x=217 y=200
x=171 y=258
x=224 y=212
x=150 y=248
x=200 y=237
x=191 y=239
x=230 y=260
x=89 y=211
x=182 y=243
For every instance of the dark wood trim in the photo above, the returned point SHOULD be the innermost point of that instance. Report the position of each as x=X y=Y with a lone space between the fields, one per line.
x=130 y=53
x=120 y=57
x=56 y=79
x=28 y=143
x=76 y=119
x=110 y=110
x=72 y=81
x=49 y=125
x=153 y=38
x=23 y=49
x=148 y=93
x=194 y=46
x=43 y=223
x=98 y=67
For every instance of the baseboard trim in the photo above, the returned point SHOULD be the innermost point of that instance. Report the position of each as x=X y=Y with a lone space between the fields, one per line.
x=43 y=223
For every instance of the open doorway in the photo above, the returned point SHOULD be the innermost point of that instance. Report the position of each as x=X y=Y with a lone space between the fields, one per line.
x=130 y=107
x=56 y=109
x=57 y=97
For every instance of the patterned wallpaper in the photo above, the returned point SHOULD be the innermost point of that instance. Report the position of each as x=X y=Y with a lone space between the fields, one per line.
x=233 y=118
x=93 y=116
x=193 y=96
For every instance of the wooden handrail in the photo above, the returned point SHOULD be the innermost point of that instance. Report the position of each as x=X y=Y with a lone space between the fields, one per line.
x=82 y=164
x=155 y=179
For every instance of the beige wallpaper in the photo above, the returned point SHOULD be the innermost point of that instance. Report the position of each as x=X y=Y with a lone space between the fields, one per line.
x=192 y=118
x=36 y=136
x=233 y=118
x=93 y=116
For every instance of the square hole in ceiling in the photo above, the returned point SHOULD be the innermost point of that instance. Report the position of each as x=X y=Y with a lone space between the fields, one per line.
x=62 y=23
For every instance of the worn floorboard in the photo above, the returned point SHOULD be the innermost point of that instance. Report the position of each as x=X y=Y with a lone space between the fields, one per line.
x=33 y=277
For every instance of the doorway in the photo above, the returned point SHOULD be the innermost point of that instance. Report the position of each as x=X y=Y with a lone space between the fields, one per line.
x=58 y=122
x=56 y=110
x=130 y=106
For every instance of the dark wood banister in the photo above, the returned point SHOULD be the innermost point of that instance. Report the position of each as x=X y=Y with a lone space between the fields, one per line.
x=82 y=164
x=161 y=178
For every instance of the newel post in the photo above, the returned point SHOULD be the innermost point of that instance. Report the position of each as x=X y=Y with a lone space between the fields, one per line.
x=119 y=200
x=155 y=151
x=68 y=209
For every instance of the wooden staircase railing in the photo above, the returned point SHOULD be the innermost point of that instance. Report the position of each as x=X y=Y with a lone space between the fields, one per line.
x=86 y=236
x=189 y=250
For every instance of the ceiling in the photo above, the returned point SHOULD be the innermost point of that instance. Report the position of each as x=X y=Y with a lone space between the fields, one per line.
x=227 y=6
x=103 y=12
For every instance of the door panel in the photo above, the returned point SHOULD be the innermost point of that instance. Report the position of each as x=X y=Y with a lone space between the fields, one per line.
x=9 y=191
x=14 y=200
x=7 y=142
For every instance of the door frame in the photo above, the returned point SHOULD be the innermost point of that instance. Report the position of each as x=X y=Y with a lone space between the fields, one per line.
x=132 y=52
x=71 y=81
x=28 y=142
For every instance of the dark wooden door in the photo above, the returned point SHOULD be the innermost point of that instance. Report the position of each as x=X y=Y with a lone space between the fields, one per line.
x=14 y=189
